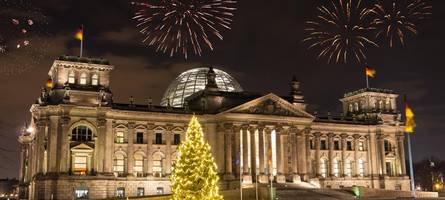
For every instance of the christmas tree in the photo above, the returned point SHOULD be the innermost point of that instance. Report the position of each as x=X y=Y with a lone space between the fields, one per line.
x=194 y=173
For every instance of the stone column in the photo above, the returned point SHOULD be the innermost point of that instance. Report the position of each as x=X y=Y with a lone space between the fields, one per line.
x=64 y=162
x=262 y=154
x=109 y=147
x=294 y=152
x=280 y=155
x=228 y=152
x=401 y=147
x=101 y=140
x=343 y=153
x=308 y=162
x=220 y=149
x=268 y=152
x=52 y=145
x=168 y=150
x=372 y=150
x=331 y=154
x=253 y=148
x=357 y=166
x=236 y=151
x=130 y=148
x=150 y=136
x=382 y=156
x=40 y=144
x=317 y=154
x=245 y=152
x=302 y=150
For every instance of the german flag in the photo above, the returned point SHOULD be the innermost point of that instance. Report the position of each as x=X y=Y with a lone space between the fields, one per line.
x=370 y=72
x=79 y=34
x=410 y=124
x=49 y=83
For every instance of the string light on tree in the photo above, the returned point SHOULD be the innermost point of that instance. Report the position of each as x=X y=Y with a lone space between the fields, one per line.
x=194 y=173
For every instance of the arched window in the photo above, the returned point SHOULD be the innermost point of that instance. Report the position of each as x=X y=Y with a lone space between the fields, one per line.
x=119 y=164
x=381 y=105
x=82 y=134
x=71 y=77
x=388 y=104
x=361 y=168
x=351 y=108
x=138 y=165
x=157 y=164
x=336 y=168
x=356 y=106
x=323 y=168
x=95 y=79
x=83 y=79
x=348 y=168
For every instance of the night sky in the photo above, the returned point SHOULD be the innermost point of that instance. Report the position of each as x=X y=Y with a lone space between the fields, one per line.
x=262 y=51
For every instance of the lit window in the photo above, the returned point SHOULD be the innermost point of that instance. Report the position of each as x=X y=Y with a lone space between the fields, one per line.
x=389 y=169
x=361 y=167
x=141 y=191
x=71 y=78
x=119 y=164
x=80 y=164
x=81 y=193
x=356 y=106
x=380 y=104
x=81 y=133
x=159 y=190
x=157 y=165
x=323 y=168
x=95 y=79
x=336 y=168
x=351 y=109
x=120 y=192
x=348 y=168
x=120 y=137
x=138 y=165
x=361 y=146
x=83 y=79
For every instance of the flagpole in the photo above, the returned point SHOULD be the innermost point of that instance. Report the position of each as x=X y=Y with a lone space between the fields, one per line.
x=81 y=43
x=410 y=156
x=241 y=166
x=367 y=81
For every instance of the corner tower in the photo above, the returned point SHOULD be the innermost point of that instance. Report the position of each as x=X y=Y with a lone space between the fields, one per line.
x=371 y=103
x=79 y=81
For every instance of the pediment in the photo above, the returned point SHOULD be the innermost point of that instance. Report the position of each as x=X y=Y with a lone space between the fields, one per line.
x=270 y=104
x=82 y=147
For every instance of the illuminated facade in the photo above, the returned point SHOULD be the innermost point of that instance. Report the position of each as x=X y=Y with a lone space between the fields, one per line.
x=81 y=144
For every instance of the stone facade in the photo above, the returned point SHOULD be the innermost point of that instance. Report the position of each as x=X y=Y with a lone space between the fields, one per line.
x=81 y=144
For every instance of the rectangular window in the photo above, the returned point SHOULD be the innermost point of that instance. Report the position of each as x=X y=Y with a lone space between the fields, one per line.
x=119 y=165
x=120 y=137
x=139 y=166
x=141 y=191
x=159 y=190
x=348 y=169
x=361 y=146
x=139 y=138
x=389 y=168
x=387 y=145
x=120 y=192
x=177 y=139
x=349 y=145
x=81 y=193
x=80 y=164
x=336 y=145
x=158 y=138
x=323 y=145
x=311 y=144
x=361 y=168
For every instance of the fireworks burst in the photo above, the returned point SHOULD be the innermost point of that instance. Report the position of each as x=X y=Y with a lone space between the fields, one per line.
x=22 y=36
x=340 y=31
x=180 y=26
x=396 y=20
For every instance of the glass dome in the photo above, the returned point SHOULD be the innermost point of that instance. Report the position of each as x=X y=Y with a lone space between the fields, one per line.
x=193 y=81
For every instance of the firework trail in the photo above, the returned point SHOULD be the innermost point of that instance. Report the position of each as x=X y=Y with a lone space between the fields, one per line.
x=340 y=32
x=179 y=26
x=395 y=20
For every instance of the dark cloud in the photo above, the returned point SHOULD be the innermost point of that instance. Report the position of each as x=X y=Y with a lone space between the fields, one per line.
x=263 y=50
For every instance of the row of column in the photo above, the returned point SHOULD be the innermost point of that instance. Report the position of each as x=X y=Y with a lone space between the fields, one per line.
x=263 y=150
